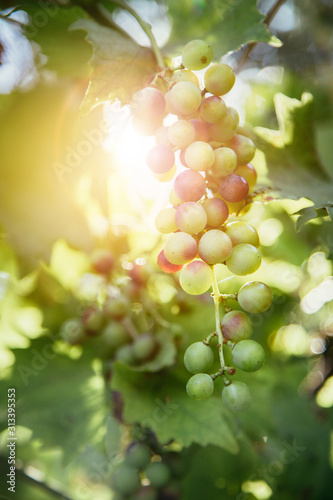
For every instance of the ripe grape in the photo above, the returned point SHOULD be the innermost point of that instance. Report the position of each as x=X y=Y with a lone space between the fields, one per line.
x=73 y=331
x=102 y=261
x=185 y=97
x=233 y=188
x=189 y=186
x=114 y=335
x=148 y=103
x=158 y=474
x=255 y=297
x=248 y=355
x=198 y=358
x=196 y=278
x=125 y=480
x=161 y=137
x=169 y=107
x=137 y=455
x=244 y=148
x=241 y=232
x=184 y=75
x=249 y=173
x=197 y=55
x=116 y=307
x=168 y=176
x=181 y=133
x=215 y=247
x=165 y=265
x=180 y=248
x=236 y=396
x=201 y=130
x=200 y=386
x=225 y=161
x=244 y=259
x=199 y=156
x=216 y=210
x=165 y=221
x=213 y=109
x=160 y=159
x=219 y=79
x=226 y=128
x=236 y=326
x=173 y=199
x=145 y=347
x=191 y=217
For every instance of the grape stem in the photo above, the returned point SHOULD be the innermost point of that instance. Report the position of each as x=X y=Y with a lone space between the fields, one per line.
x=217 y=299
x=208 y=339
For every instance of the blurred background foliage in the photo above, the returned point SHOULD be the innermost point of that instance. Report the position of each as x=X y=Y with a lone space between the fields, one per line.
x=61 y=199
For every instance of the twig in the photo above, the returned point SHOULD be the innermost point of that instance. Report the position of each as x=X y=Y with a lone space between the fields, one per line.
x=217 y=300
x=41 y=485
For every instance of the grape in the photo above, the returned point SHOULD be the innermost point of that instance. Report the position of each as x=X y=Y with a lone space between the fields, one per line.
x=200 y=386
x=161 y=137
x=248 y=355
x=189 y=186
x=145 y=347
x=255 y=297
x=191 y=217
x=140 y=273
x=137 y=455
x=160 y=159
x=236 y=326
x=145 y=493
x=114 y=335
x=173 y=199
x=226 y=128
x=158 y=474
x=201 y=130
x=199 y=156
x=196 y=277
x=215 y=247
x=165 y=221
x=102 y=261
x=180 y=248
x=197 y=55
x=125 y=354
x=148 y=103
x=235 y=208
x=213 y=109
x=168 y=176
x=181 y=133
x=185 y=97
x=198 y=358
x=125 y=480
x=241 y=232
x=248 y=172
x=244 y=259
x=219 y=79
x=184 y=75
x=244 y=148
x=165 y=265
x=216 y=210
x=225 y=161
x=169 y=107
x=116 y=307
x=93 y=319
x=233 y=188
x=236 y=396
x=73 y=331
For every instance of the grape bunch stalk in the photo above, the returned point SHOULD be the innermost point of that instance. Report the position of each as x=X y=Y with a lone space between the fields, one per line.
x=213 y=154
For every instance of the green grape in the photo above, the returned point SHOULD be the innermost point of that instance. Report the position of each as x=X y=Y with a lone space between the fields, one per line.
x=225 y=161
x=248 y=355
x=145 y=493
x=137 y=455
x=145 y=347
x=216 y=210
x=196 y=277
x=244 y=259
x=184 y=75
x=191 y=217
x=169 y=108
x=158 y=474
x=197 y=55
x=116 y=307
x=125 y=480
x=236 y=396
x=174 y=199
x=125 y=354
x=241 y=232
x=213 y=109
x=114 y=335
x=93 y=320
x=219 y=79
x=185 y=97
x=189 y=186
x=198 y=358
x=226 y=128
x=180 y=248
x=244 y=148
x=165 y=221
x=255 y=297
x=236 y=326
x=215 y=247
x=181 y=133
x=199 y=156
x=200 y=386
x=73 y=331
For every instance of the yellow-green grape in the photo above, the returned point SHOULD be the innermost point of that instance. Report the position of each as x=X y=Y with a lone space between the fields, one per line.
x=185 y=97
x=185 y=75
x=255 y=297
x=244 y=148
x=237 y=397
x=225 y=162
x=158 y=474
x=73 y=331
x=225 y=129
x=215 y=247
x=244 y=259
x=165 y=221
x=174 y=199
x=197 y=55
x=213 y=109
x=248 y=172
x=180 y=248
x=169 y=107
x=196 y=277
x=168 y=176
x=248 y=355
x=216 y=210
x=181 y=133
x=198 y=358
x=191 y=217
x=242 y=232
x=114 y=335
x=200 y=386
x=125 y=479
x=199 y=156
x=219 y=79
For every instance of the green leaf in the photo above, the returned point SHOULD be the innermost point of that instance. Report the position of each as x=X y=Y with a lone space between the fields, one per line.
x=161 y=404
x=119 y=65
x=294 y=167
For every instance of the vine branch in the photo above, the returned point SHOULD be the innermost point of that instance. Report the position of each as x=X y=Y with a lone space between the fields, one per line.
x=217 y=299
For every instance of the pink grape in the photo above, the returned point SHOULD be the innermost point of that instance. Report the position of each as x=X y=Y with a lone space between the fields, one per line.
x=234 y=188
x=216 y=210
x=189 y=186
x=201 y=130
x=180 y=248
x=191 y=217
x=148 y=103
x=244 y=148
x=248 y=172
x=160 y=159
x=165 y=265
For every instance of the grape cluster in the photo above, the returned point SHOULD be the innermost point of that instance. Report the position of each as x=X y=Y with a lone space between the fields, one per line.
x=211 y=155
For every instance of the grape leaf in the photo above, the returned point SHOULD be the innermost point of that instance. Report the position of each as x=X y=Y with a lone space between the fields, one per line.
x=294 y=167
x=161 y=404
x=165 y=357
x=119 y=65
